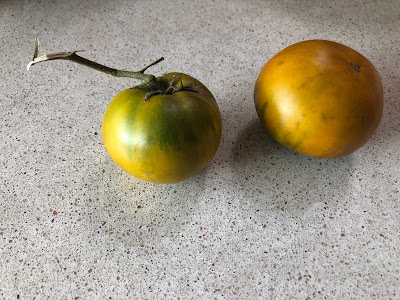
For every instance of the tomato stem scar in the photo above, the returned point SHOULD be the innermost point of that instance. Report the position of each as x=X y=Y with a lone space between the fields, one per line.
x=356 y=67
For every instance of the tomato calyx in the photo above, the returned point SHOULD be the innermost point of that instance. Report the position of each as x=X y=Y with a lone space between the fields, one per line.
x=171 y=88
x=155 y=87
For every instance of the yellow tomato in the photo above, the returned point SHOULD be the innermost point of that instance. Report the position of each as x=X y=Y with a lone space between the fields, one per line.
x=319 y=98
x=168 y=137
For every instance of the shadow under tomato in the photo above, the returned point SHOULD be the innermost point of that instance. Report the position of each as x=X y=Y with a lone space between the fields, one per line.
x=139 y=214
x=274 y=176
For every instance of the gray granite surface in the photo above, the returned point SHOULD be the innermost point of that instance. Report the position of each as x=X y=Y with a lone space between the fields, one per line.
x=260 y=222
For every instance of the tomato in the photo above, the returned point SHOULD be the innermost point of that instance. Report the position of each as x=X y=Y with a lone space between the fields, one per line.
x=319 y=98
x=166 y=138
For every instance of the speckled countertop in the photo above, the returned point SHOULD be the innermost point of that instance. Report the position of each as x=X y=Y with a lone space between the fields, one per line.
x=260 y=222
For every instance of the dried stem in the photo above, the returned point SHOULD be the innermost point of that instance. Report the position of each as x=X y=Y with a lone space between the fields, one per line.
x=72 y=56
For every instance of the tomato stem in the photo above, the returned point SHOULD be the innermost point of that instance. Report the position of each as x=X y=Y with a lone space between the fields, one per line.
x=72 y=56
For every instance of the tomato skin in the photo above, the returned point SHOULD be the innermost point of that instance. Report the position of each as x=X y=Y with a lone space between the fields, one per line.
x=168 y=137
x=319 y=98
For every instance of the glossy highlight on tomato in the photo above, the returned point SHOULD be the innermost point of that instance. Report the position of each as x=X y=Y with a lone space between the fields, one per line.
x=319 y=98
x=166 y=138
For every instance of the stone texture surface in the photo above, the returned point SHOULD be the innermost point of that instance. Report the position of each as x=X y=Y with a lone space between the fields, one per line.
x=260 y=222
